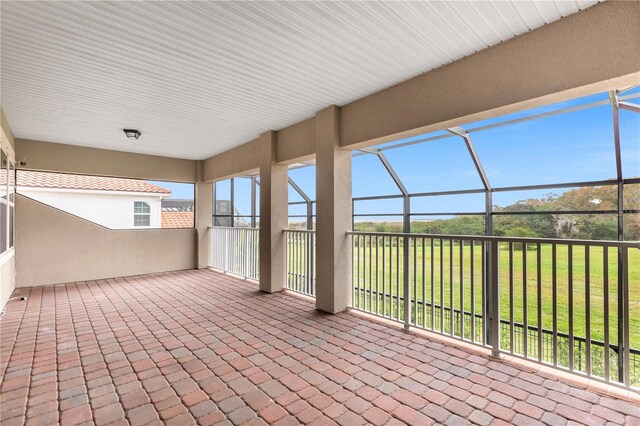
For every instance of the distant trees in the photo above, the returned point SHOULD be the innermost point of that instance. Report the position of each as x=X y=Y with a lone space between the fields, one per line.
x=602 y=226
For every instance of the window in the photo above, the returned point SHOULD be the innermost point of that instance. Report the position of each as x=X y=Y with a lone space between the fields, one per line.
x=142 y=214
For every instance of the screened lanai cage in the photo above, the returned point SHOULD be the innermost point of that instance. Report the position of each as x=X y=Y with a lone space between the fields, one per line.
x=535 y=215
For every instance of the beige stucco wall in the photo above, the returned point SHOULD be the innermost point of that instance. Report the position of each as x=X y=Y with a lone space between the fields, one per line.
x=241 y=160
x=53 y=157
x=53 y=246
x=7 y=260
x=273 y=215
x=592 y=51
x=203 y=218
x=297 y=142
x=56 y=247
x=334 y=215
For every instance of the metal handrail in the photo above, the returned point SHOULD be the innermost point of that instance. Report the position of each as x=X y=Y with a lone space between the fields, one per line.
x=307 y=231
x=528 y=240
x=231 y=227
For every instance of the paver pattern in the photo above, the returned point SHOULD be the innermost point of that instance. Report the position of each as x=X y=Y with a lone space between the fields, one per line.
x=191 y=347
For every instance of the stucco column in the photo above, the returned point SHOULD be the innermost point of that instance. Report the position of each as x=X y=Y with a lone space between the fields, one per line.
x=334 y=215
x=273 y=216
x=203 y=218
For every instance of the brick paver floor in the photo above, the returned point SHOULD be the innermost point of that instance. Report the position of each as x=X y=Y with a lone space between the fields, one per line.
x=200 y=347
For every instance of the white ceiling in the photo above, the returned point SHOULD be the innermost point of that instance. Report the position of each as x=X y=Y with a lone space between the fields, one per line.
x=198 y=78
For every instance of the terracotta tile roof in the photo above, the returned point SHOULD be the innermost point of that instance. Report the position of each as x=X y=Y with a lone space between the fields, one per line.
x=96 y=183
x=176 y=220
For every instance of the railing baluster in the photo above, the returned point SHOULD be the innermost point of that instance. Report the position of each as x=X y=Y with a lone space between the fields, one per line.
x=398 y=278
x=626 y=315
x=414 y=298
x=539 y=286
x=451 y=303
x=377 y=275
x=473 y=289
x=406 y=281
x=441 y=285
x=357 y=300
x=484 y=287
x=370 y=273
x=525 y=305
x=305 y=257
x=462 y=289
x=605 y=288
x=587 y=299
x=511 y=320
x=433 y=301
x=424 y=285
x=308 y=257
x=296 y=245
x=292 y=273
x=384 y=277
x=554 y=290
x=570 y=285
x=292 y=259
x=300 y=262
x=390 y=277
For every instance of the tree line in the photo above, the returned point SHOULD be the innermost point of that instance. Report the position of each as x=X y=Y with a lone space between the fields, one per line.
x=601 y=226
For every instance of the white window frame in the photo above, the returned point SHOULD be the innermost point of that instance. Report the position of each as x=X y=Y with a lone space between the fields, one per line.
x=143 y=214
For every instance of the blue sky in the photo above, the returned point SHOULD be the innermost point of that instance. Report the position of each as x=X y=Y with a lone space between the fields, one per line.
x=572 y=147
x=183 y=191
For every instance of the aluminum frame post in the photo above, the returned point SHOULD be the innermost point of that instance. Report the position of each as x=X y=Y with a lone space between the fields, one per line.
x=406 y=228
x=474 y=155
x=490 y=280
x=406 y=252
x=629 y=106
x=232 y=207
x=253 y=201
x=392 y=172
x=615 y=110
x=307 y=200
x=494 y=284
x=488 y=229
x=214 y=210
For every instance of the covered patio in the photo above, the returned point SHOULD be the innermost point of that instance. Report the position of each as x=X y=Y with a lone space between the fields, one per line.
x=201 y=347
x=193 y=230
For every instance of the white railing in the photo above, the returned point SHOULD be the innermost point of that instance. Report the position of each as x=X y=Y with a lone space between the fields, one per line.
x=301 y=261
x=571 y=304
x=235 y=250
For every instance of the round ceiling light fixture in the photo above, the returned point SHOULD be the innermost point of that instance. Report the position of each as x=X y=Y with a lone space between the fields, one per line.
x=132 y=133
